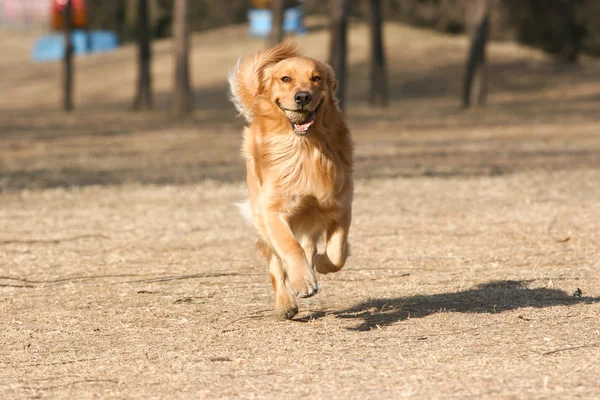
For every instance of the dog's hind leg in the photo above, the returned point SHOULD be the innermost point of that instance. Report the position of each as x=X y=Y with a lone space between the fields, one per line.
x=309 y=244
x=337 y=250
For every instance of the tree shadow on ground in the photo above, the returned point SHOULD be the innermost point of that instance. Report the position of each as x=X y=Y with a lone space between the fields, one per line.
x=486 y=298
x=519 y=79
x=515 y=76
x=107 y=132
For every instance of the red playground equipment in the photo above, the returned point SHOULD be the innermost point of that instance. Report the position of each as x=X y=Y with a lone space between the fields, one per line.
x=80 y=17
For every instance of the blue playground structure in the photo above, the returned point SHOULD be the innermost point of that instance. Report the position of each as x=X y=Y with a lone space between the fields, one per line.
x=261 y=21
x=52 y=47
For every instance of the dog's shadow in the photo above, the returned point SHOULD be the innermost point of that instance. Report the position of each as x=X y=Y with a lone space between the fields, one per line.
x=491 y=297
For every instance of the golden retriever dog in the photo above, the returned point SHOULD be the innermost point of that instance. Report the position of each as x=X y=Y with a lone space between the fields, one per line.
x=298 y=154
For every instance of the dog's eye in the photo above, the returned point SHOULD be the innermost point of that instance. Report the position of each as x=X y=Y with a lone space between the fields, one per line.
x=315 y=78
x=286 y=79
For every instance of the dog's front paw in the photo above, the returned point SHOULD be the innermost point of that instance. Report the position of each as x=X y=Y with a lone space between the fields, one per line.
x=304 y=284
x=285 y=305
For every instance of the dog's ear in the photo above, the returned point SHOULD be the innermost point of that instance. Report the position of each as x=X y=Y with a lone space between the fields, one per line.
x=264 y=78
x=264 y=62
x=331 y=79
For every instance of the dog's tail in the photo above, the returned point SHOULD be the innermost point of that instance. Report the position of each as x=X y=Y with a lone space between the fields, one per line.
x=246 y=76
x=245 y=211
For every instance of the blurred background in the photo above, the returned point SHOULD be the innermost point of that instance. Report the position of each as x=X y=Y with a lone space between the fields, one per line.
x=431 y=87
x=127 y=272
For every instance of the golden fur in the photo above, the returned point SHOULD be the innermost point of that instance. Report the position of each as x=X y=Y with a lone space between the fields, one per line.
x=300 y=185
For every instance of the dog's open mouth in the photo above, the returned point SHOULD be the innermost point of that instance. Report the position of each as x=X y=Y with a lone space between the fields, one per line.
x=301 y=120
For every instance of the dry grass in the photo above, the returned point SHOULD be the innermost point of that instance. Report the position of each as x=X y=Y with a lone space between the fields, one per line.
x=126 y=272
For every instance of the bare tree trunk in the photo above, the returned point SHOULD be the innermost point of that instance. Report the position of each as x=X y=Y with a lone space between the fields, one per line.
x=143 y=97
x=475 y=86
x=378 y=95
x=68 y=58
x=121 y=17
x=277 y=10
x=183 y=99
x=338 y=46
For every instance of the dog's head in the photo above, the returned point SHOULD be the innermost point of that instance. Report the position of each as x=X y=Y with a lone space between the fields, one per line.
x=297 y=89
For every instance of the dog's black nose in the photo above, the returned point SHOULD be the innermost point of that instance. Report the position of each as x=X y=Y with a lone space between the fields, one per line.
x=302 y=98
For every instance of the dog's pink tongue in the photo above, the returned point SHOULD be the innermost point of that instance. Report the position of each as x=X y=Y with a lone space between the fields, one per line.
x=304 y=126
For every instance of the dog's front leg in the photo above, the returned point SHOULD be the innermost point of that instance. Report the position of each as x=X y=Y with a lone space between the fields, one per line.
x=301 y=276
x=285 y=304
x=337 y=250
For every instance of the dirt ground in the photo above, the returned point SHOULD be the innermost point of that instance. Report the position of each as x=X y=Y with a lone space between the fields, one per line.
x=126 y=272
